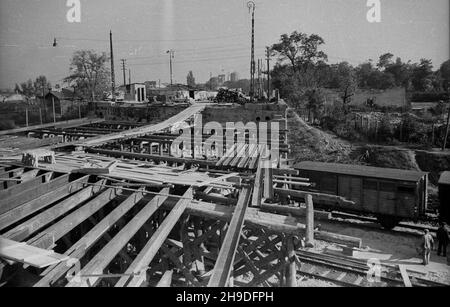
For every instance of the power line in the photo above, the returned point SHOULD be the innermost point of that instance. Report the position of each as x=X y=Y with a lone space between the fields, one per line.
x=153 y=40
x=192 y=61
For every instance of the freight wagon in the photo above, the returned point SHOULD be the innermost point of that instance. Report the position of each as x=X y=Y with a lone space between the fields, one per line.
x=391 y=195
x=444 y=197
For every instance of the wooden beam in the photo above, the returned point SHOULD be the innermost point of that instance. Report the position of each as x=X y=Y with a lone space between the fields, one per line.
x=24 y=230
x=258 y=219
x=166 y=280
x=309 y=234
x=18 y=188
x=317 y=196
x=41 y=202
x=68 y=223
x=156 y=158
x=294 y=211
x=68 y=123
x=225 y=260
x=102 y=259
x=34 y=192
x=153 y=245
x=80 y=248
x=257 y=190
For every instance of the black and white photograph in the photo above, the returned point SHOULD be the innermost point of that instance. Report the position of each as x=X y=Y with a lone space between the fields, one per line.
x=240 y=145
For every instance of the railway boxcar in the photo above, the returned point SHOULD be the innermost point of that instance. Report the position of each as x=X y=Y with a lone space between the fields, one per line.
x=444 y=197
x=390 y=194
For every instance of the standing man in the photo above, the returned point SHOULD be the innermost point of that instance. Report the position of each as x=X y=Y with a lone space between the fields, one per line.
x=442 y=237
x=427 y=245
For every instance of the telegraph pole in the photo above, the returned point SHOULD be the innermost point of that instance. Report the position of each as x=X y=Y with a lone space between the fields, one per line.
x=124 y=71
x=113 y=78
x=129 y=76
x=251 y=6
x=171 y=56
x=268 y=73
x=448 y=121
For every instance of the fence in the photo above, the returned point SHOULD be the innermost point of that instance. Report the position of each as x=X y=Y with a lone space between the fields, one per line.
x=21 y=114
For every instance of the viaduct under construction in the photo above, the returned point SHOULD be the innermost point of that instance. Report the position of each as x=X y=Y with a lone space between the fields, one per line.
x=96 y=202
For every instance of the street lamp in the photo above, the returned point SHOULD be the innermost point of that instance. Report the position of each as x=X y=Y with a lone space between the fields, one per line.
x=171 y=56
x=251 y=8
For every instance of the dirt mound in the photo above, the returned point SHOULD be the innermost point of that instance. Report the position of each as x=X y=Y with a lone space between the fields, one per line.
x=434 y=163
x=389 y=157
x=311 y=144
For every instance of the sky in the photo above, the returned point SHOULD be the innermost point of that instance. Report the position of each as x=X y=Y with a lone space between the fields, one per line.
x=209 y=36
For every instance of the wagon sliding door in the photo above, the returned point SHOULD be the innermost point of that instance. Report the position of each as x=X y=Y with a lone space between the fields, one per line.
x=387 y=199
x=350 y=188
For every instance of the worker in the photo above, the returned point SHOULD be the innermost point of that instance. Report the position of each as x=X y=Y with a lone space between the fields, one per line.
x=443 y=239
x=427 y=246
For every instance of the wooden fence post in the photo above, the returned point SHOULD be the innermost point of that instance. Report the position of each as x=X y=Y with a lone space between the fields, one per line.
x=309 y=233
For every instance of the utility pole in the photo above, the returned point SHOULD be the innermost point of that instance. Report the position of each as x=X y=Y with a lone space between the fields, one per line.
x=129 y=76
x=448 y=121
x=171 y=56
x=113 y=78
x=210 y=81
x=259 y=77
x=268 y=73
x=124 y=71
x=251 y=7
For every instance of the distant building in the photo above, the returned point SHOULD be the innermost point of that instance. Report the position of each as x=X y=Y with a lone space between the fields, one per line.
x=234 y=77
x=136 y=92
x=151 y=84
x=221 y=79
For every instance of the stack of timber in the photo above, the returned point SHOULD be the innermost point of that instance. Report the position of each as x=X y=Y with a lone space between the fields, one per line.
x=134 y=171
x=140 y=131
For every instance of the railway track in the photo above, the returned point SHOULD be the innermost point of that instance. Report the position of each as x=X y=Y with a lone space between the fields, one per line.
x=352 y=272
x=406 y=225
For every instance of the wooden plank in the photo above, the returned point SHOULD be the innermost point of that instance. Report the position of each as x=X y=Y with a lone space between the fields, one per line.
x=317 y=196
x=186 y=272
x=257 y=190
x=294 y=211
x=29 y=255
x=225 y=260
x=4 y=194
x=153 y=245
x=12 y=173
x=102 y=259
x=156 y=158
x=41 y=202
x=64 y=226
x=405 y=277
x=33 y=193
x=228 y=154
x=68 y=123
x=80 y=248
x=166 y=280
x=24 y=230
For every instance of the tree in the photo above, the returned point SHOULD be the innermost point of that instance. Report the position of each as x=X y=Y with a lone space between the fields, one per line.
x=301 y=50
x=385 y=60
x=190 y=79
x=422 y=76
x=444 y=71
x=89 y=74
x=344 y=79
x=27 y=88
x=315 y=101
x=41 y=86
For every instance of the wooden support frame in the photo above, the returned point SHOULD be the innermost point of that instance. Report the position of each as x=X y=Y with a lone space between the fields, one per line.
x=107 y=254
x=225 y=260
x=80 y=248
x=36 y=204
x=32 y=225
x=64 y=226
x=153 y=245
